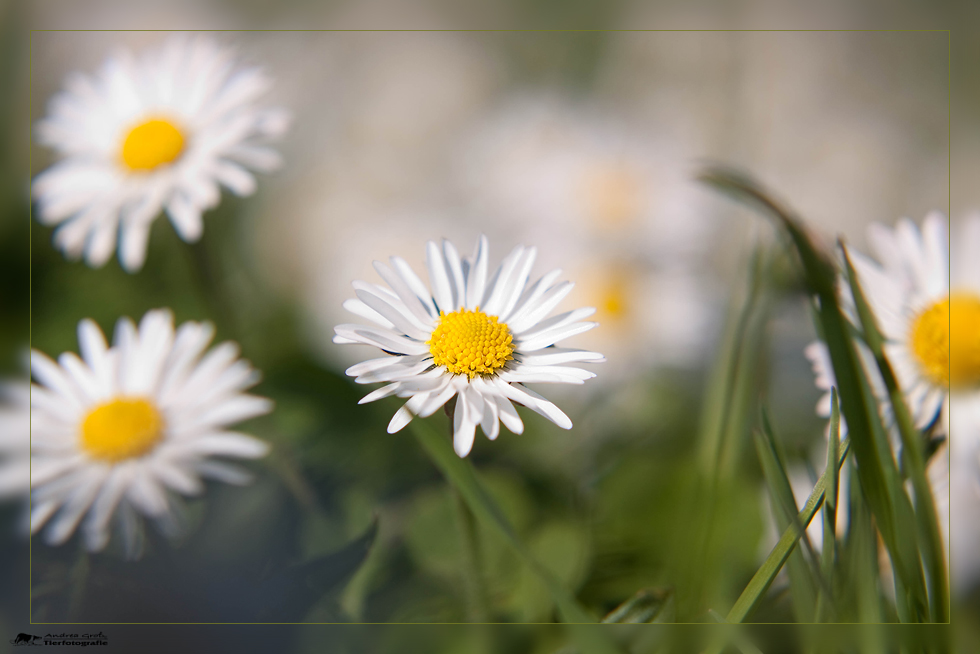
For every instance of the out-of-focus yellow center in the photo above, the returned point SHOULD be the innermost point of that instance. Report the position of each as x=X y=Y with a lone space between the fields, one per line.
x=957 y=315
x=613 y=195
x=153 y=143
x=471 y=343
x=963 y=321
x=120 y=429
x=614 y=303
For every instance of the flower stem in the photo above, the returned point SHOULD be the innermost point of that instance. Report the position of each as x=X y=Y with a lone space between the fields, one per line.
x=476 y=595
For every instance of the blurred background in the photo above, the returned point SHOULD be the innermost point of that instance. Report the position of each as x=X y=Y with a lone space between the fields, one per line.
x=583 y=144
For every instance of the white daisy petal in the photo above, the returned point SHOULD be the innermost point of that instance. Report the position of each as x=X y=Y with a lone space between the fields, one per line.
x=395 y=312
x=224 y=472
x=532 y=315
x=557 y=355
x=358 y=308
x=557 y=321
x=401 y=418
x=535 y=402
x=508 y=415
x=186 y=218
x=504 y=281
x=456 y=277
x=477 y=278
x=415 y=284
x=465 y=420
x=547 y=374
x=386 y=340
x=518 y=282
x=231 y=444
x=531 y=296
x=555 y=334
x=384 y=391
x=373 y=365
x=441 y=289
x=74 y=509
x=421 y=313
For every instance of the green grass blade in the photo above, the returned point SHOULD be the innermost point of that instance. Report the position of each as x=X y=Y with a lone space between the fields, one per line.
x=725 y=420
x=763 y=577
x=648 y=605
x=461 y=475
x=803 y=586
x=828 y=550
x=861 y=562
x=912 y=454
x=876 y=468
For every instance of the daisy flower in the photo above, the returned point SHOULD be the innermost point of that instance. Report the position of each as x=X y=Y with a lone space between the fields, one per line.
x=909 y=294
x=159 y=132
x=475 y=335
x=114 y=431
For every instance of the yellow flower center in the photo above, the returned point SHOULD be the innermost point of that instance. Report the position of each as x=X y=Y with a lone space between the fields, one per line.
x=963 y=322
x=153 y=143
x=954 y=318
x=471 y=343
x=612 y=195
x=120 y=429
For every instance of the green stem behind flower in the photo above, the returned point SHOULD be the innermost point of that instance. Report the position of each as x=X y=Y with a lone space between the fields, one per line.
x=462 y=476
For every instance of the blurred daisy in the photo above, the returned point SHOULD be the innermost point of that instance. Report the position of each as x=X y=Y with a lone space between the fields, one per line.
x=670 y=311
x=556 y=170
x=159 y=132
x=909 y=294
x=475 y=335
x=616 y=199
x=114 y=430
x=15 y=439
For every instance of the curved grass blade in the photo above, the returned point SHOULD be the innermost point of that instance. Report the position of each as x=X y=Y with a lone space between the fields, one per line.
x=913 y=444
x=763 y=577
x=876 y=468
x=648 y=605
x=828 y=551
x=804 y=578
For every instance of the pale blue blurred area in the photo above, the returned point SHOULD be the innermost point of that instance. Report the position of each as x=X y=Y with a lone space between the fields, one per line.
x=850 y=127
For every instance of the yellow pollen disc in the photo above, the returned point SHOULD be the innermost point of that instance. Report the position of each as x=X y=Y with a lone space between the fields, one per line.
x=153 y=143
x=120 y=429
x=931 y=336
x=964 y=323
x=613 y=195
x=471 y=343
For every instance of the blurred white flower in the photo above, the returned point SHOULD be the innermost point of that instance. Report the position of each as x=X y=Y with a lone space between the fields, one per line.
x=561 y=172
x=15 y=439
x=909 y=294
x=112 y=431
x=477 y=335
x=618 y=203
x=922 y=304
x=158 y=132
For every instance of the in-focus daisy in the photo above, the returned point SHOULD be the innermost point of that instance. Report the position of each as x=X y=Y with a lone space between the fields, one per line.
x=114 y=431
x=158 y=132
x=475 y=335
